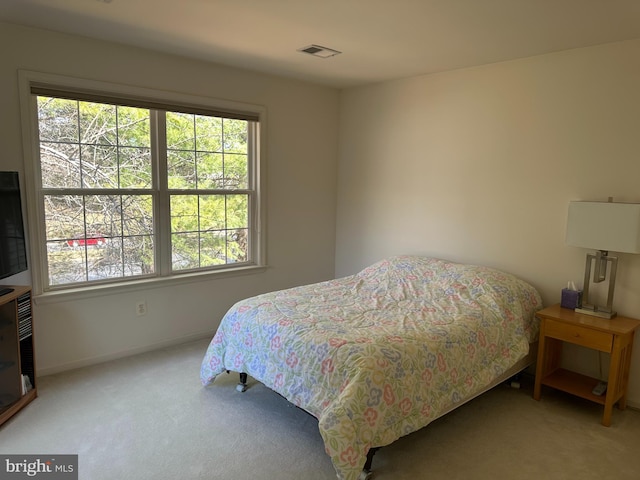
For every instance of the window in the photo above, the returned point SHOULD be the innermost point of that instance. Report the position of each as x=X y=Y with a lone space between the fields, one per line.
x=132 y=188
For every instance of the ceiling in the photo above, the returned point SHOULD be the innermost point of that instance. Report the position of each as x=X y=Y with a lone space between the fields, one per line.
x=380 y=39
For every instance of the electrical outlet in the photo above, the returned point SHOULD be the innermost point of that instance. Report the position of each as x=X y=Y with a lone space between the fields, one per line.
x=141 y=308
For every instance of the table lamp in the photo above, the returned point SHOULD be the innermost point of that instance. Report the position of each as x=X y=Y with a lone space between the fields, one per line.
x=604 y=227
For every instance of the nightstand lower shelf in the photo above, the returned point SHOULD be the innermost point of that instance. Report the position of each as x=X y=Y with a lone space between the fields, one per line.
x=575 y=384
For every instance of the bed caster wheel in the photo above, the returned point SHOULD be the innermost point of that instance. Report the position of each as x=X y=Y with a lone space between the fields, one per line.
x=242 y=386
x=365 y=475
x=514 y=381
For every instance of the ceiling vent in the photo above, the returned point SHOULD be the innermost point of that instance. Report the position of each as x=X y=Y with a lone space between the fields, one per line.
x=319 y=51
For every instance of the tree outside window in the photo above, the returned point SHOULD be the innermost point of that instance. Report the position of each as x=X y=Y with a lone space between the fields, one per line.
x=136 y=192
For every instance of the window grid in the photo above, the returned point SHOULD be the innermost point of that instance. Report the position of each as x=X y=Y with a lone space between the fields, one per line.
x=160 y=230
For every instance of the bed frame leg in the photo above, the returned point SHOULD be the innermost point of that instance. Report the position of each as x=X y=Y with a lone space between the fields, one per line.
x=242 y=386
x=366 y=471
x=515 y=381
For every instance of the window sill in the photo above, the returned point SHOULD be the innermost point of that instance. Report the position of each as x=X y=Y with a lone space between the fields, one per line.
x=81 y=293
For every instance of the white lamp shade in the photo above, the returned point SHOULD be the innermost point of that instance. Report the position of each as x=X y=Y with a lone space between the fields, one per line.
x=604 y=226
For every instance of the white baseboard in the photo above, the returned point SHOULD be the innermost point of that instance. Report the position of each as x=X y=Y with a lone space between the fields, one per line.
x=86 y=362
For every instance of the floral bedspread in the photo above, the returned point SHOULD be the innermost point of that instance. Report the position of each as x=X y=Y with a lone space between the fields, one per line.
x=380 y=354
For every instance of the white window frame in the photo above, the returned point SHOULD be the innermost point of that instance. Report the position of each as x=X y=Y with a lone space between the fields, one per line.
x=35 y=208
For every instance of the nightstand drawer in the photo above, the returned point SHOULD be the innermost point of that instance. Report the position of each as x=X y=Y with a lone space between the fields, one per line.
x=587 y=337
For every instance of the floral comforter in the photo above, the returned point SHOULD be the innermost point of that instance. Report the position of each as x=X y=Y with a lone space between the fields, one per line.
x=380 y=354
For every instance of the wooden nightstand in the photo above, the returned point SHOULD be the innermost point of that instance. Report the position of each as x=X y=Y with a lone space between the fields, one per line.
x=613 y=336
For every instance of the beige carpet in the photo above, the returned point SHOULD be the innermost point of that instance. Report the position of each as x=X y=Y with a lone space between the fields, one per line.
x=148 y=417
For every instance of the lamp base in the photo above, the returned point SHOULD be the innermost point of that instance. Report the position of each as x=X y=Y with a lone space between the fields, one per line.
x=596 y=313
x=601 y=259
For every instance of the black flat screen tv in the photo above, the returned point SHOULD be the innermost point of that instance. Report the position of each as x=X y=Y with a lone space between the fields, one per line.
x=13 y=251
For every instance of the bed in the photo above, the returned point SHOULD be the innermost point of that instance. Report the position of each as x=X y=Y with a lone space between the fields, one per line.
x=380 y=354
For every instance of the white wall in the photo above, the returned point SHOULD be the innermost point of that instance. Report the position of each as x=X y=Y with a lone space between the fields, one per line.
x=479 y=165
x=301 y=193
